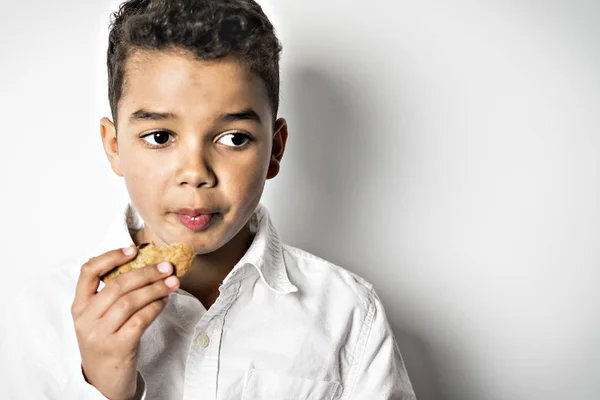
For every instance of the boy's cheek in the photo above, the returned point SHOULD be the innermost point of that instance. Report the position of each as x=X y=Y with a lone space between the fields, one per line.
x=245 y=181
x=136 y=166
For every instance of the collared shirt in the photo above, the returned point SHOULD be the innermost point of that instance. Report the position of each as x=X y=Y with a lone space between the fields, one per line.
x=286 y=325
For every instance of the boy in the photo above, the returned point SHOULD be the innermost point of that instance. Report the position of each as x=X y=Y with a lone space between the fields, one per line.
x=193 y=89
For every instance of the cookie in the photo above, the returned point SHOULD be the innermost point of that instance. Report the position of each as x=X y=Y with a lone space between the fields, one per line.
x=181 y=256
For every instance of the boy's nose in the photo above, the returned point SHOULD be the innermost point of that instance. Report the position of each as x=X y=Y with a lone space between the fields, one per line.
x=196 y=171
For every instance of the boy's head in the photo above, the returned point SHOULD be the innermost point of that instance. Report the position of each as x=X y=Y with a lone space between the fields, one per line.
x=208 y=29
x=193 y=90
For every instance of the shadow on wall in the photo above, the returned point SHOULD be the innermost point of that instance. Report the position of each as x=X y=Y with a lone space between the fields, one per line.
x=330 y=138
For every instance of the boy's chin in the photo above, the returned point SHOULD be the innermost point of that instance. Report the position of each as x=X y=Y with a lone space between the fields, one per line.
x=203 y=243
x=201 y=246
x=203 y=249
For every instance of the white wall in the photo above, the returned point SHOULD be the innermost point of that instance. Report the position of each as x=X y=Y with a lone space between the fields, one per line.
x=446 y=151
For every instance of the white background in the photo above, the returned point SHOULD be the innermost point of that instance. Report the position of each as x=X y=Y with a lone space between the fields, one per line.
x=448 y=152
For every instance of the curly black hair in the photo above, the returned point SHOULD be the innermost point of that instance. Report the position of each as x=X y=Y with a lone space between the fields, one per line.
x=209 y=29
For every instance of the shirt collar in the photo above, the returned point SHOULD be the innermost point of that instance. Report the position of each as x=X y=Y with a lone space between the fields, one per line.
x=265 y=253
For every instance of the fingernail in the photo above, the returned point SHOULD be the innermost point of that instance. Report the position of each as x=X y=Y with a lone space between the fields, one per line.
x=171 y=281
x=128 y=251
x=164 y=267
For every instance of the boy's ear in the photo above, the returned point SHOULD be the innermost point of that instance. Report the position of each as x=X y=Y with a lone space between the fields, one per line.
x=108 y=133
x=280 y=135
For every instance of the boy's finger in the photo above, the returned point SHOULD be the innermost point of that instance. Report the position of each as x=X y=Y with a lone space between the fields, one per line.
x=125 y=283
x=136 y=325
x=91 y=271
x=127 y=306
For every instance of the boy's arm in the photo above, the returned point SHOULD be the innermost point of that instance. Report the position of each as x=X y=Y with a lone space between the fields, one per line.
x=380 y=372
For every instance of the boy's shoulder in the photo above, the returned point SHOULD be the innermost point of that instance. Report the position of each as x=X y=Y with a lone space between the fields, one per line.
x=320 y=277
x=327 y=267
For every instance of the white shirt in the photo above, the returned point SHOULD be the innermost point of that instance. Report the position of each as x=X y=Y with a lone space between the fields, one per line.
x=287 y=325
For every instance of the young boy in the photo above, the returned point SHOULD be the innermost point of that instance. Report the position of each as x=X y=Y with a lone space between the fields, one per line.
x=193 y=89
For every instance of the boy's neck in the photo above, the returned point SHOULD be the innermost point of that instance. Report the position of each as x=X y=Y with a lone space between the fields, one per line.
x=209 y=270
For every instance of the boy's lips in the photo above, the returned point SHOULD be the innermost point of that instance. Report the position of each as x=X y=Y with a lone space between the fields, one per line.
x=196 y=219
x=194 y=212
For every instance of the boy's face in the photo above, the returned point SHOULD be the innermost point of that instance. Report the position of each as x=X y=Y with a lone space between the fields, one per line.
x=194 y=135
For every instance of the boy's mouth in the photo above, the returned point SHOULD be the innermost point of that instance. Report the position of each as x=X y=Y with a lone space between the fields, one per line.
x=196 y=219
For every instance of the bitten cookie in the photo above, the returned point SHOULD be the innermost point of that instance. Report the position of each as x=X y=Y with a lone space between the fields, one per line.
x=181 y=256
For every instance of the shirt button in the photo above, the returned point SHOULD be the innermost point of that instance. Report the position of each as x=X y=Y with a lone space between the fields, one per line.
x=203 y=340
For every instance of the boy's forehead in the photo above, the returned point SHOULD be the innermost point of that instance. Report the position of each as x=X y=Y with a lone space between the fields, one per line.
x=175 y=81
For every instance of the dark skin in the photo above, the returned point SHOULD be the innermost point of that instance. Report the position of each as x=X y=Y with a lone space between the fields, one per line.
x=217 y=145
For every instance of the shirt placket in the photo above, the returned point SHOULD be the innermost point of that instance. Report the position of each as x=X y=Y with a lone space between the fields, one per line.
x=202 y=366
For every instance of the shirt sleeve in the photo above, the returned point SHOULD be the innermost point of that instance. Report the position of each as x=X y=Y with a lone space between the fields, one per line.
x=140 y=393
x=28 y=364
x=80 y=389
x=380 y=370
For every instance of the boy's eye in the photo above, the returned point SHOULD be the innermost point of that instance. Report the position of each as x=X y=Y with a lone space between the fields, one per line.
x=235 y=139
x=158 y=138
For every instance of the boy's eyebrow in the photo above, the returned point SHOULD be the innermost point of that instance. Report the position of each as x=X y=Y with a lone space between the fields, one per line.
x=146 y=115
x=247 y=114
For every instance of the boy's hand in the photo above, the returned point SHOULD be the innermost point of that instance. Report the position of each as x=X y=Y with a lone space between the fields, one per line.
x=109 y=324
